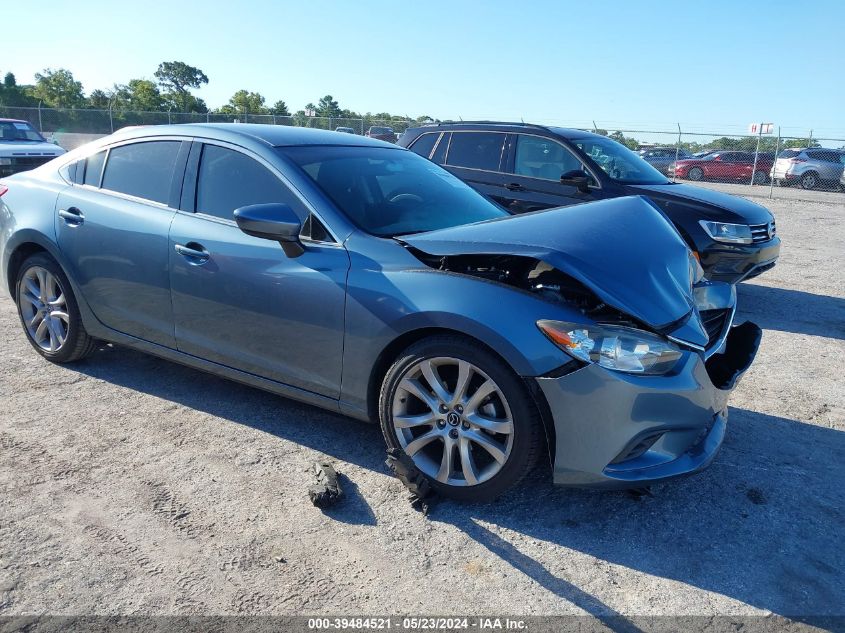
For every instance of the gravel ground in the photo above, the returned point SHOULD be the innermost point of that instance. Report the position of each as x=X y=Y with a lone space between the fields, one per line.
x=130 y=485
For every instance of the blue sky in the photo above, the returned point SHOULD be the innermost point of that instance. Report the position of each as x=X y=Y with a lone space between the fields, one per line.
x=711 y=65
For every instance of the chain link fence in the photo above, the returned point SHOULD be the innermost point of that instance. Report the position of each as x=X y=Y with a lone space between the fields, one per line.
x=779 y=159
x=59 y=122
x=786 y=157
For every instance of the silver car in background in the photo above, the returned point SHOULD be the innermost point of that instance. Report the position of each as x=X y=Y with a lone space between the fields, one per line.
x=809 y=167
x=661 y=157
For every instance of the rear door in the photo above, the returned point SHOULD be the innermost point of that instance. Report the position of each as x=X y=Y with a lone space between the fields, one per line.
x=112 y=228
x=239 y=300
x=477 y=158
x=535 y=165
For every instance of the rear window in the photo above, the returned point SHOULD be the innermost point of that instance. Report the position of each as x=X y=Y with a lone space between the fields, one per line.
x=381 y=130
x=143 y=170
x=789 y=153
x=93 y=166
x=424 y=144
x=476 y=150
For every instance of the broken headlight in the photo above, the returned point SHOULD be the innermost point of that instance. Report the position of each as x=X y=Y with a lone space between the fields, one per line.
x=613 y=347
x=729 y=233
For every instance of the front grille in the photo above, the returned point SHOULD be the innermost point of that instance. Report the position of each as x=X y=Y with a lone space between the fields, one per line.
x=714 y=322
x=763 y=232
x=29 y=162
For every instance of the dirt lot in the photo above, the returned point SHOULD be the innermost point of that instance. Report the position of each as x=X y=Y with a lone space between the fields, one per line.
x=132 y=485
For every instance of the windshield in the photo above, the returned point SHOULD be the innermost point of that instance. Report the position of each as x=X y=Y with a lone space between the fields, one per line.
x=390 y=192
x=618 y=162
x=19 y=131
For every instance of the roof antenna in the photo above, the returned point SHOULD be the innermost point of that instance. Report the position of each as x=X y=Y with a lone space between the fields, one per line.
x=521 y=119
x=460 y=118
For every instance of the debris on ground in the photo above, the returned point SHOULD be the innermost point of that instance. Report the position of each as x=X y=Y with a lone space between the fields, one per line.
x=639 y=493
x=326 y=491
x=423 y=494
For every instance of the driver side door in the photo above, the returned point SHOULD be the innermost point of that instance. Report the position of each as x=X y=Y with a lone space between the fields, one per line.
x=535 y=165
x=239 y=300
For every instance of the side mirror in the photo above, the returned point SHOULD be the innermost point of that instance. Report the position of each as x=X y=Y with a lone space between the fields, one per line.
x=576 y=178
x=272 y=221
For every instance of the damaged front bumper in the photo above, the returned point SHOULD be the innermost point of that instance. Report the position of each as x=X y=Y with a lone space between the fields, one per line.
x=617 y=430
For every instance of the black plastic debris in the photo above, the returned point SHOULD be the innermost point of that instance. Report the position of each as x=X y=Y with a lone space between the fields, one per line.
x=326 y=491
x=422 y=494
x=639 y=493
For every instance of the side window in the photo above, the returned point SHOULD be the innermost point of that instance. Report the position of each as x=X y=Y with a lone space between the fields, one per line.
x=476 y=150
x=424 y=144
x=93 y=168
x=144 y=170
x=228 y=180
x=543 y=158
x=439 y=155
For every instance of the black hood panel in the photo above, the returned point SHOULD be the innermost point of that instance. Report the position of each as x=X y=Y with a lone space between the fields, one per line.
x=730 y=208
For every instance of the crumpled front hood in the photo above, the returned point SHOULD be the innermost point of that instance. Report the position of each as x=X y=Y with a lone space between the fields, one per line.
x=623 y=249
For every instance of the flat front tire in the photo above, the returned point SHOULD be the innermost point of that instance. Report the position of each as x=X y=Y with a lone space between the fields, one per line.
x=48 y=311
x=462 y=415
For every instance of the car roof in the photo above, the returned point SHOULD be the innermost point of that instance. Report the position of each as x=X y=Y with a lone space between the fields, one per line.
x=13 y=121
x=567 y=133
x=275 y=135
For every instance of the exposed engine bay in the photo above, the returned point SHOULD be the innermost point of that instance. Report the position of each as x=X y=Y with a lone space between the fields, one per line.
x=532 y=275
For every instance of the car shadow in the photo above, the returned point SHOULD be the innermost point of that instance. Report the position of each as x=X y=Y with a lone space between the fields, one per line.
x=762 y=525
x=791 y=310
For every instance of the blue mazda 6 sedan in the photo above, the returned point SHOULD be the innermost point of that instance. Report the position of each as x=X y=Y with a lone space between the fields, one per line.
x=357 y=276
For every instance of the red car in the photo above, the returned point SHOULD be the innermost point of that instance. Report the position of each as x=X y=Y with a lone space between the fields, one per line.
x=728 y=165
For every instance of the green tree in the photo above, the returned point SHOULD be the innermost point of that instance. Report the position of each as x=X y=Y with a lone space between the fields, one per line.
x=244 y=102
x=627 y=141
x=98 y=100
x=13 y=95
x=176 y=78
x=144 y=95
x=328 y=107
x=280 y=108
x=58 y=89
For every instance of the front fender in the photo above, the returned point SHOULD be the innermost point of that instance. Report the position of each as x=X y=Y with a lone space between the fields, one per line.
x=383 y=305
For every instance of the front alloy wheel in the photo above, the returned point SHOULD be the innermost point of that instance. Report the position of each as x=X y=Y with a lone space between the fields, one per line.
x=462 y=416
x=696 y=173
x=453 y=421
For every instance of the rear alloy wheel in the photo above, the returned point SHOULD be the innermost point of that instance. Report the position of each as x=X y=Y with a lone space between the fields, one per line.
x=462 y=416
x=810 y=180
x=759 y=178
x=696 y=173
x=49 y=313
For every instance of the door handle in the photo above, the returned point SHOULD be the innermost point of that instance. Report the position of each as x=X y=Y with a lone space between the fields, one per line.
x=193 y=251
x=72 y=216
x=514 y=186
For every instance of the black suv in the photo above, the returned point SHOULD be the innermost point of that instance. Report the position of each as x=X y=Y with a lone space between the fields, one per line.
x=527 y=167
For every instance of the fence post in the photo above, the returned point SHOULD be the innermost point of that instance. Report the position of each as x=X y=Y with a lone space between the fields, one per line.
x=772 y=179
x=40 y=124
x=810 y=140
x=111 y=119
x=756 y=152
x=207 y=117
x=677 y=150
x=168 y=116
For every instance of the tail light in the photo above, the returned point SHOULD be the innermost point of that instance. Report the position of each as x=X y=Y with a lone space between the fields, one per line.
x=3 y=189
x=797 y=160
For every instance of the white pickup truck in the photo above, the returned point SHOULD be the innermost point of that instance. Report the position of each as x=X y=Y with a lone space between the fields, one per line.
x=22 y=147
